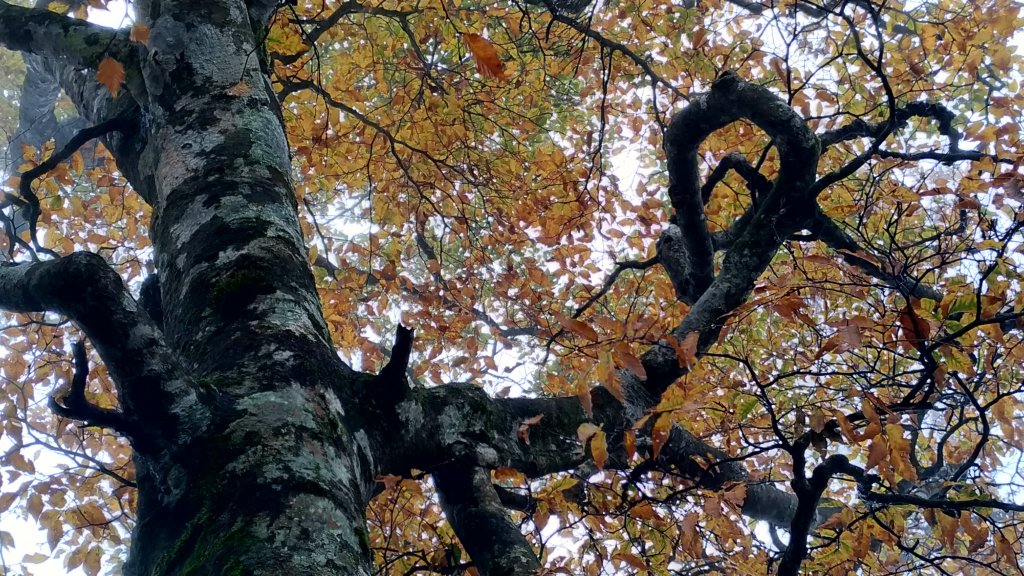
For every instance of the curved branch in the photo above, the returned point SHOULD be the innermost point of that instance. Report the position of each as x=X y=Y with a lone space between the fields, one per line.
x=152 y=385
x=77 y=407
x=27 y=177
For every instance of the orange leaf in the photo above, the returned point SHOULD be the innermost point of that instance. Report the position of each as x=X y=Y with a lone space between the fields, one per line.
x=110 y=73
x=487 y=62
x=629 y=443
x=583 y=395
x=627 y=360
x=686 y=351
x=877 y=452
x=660 y=432
x=576 y=327
x=139 y=33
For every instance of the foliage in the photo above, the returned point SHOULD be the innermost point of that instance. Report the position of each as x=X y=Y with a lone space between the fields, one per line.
x=508 y=211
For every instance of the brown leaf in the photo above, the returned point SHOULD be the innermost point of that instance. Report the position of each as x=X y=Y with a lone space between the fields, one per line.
x=915 y=329
x=111 y=74
x=698 y=37
x=1004 y=549
x=631 y=559
x=91 y=565
x=817 y=420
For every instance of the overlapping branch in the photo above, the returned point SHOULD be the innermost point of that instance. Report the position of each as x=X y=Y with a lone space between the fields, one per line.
x=483 y=526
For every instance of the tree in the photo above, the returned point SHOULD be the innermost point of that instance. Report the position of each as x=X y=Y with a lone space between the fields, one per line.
x=697 y=287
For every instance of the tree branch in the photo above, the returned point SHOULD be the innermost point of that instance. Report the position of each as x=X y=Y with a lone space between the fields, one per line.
x=496 y=545
x=27 y=177
x=390 y=385
x=77 y=407
x=74 y=42
x=152 y=385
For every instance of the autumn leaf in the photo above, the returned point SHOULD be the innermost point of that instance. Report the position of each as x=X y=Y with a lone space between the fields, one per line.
x=599 y=449
x=915 y=329
x=1004 y=549
x=91 y=564
x=576 y=327
x=139 y=33
x=625 y=358
x=487 y=62
x=878 y=451
x=586 y=431
x=523 y=431
x=629 y=443
x=240 y=89
x=698 y=37
x=660 y=432
x=686 y=351
x=631 y=559
x=111 y=74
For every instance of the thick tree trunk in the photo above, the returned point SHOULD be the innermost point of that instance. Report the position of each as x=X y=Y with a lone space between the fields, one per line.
x=278 y=481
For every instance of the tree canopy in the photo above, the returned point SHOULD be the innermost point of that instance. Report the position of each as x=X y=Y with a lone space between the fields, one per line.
x=532 y=286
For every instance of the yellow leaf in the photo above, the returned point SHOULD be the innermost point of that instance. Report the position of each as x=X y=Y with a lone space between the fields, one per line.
x=34 y=558
x=599 y=449
x=586 y=431
x=111 y=74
